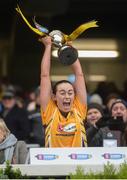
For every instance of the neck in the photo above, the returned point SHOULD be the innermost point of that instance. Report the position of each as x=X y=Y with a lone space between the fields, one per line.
x=64 y=113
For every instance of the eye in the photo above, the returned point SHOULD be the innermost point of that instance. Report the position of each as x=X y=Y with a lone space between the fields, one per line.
x=62 y=93
x=115 y=109
x=122 y=108
x=71 y=92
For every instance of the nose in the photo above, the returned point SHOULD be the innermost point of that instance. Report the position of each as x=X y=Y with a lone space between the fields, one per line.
x=67 y=95
x=119 y=111
x=93 y=115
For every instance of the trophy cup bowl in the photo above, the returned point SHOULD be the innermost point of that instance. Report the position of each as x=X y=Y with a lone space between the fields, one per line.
x=66 y=53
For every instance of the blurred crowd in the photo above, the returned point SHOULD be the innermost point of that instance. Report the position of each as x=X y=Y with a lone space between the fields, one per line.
x=21 y=112
x=106 y=121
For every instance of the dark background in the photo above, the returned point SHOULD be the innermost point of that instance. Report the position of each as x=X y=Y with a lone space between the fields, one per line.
x=21 y=45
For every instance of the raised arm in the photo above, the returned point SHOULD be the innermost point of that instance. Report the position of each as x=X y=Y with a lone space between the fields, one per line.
x=45 y=83
x=79 y=83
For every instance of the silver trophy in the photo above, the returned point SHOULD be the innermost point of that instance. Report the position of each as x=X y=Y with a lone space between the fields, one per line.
x=66 y=53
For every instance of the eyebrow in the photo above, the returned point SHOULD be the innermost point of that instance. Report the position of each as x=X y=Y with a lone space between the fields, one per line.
x=62 y=90
x=116 y=107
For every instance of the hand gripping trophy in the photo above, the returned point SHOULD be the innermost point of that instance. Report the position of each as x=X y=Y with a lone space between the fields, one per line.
x=66 y=53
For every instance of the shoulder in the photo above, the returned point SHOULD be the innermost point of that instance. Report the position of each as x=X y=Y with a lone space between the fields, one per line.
x=20 y=152
x=20 y=143
x=20 y=146
x=18 y=111
x=81 y=108
x=49 y=112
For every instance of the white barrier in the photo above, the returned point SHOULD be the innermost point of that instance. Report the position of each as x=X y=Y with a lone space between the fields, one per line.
x=78 y=156
x=63 y=161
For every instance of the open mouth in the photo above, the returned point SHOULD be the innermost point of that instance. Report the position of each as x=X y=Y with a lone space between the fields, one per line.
x=66 y=104
x=93 y=119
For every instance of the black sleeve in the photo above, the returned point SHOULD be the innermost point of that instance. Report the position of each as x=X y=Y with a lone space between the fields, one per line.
x=90 y=133
x=95 y=137
x=24 y=125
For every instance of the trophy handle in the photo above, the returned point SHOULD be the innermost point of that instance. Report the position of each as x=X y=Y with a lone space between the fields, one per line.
x=80 y=30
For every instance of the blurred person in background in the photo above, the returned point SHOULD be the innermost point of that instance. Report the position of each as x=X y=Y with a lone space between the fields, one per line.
x=30 y=100
x=119 y=109
x=95 y=98
x=124 y=91
x=94 y=121
x=104 y=89
x=94 y=113
x=111 y=98
x=110 y=129
x=15 y=117
x=10 y=148
x=37 y=134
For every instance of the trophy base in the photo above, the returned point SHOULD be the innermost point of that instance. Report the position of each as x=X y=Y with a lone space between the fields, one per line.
x=67 y=55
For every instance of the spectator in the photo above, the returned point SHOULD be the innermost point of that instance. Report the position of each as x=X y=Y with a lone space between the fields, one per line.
x=16 y=118
x=94 y=121
x=124 y=92
x=30 y=103
x=96 y=98
x=113 y=128
x=94 y=113
x=37 y=135
x=111 y=98
x=119 y=109
x=10 y=148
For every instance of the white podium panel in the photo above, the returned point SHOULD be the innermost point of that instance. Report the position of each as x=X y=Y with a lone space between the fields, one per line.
x=78 y=156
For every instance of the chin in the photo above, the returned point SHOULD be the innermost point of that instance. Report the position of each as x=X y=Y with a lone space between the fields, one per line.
x=66 y=110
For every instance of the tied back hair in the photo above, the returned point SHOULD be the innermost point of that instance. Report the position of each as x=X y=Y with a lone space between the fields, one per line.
x=54 y=87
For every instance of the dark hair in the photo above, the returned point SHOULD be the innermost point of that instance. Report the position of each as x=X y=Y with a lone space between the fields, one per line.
x=8 y=94
x=122 y=101
x=54 y=89
x=112 y=96
x=96 y=106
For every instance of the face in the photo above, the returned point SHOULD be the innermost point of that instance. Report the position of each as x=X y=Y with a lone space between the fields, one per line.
x=32 y=96
x=93 y=115
x=8 y=102
x=119 y=110
x=2 y=136
x=64 y=96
